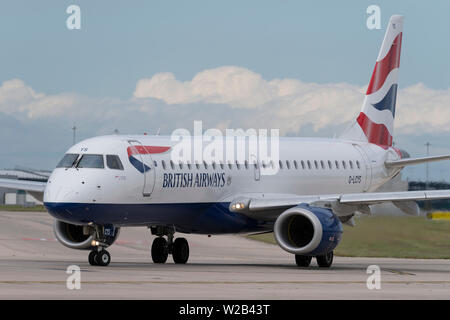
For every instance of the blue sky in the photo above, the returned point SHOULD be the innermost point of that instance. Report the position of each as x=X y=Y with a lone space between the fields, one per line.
x=324 y=42
x=316 y=41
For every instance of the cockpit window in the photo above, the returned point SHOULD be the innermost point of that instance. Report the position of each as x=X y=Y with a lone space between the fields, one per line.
x=91 y=161
x=113 y=162
x=68 y=160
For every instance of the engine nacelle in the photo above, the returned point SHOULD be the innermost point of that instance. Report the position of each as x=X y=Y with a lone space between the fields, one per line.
x=309 y=231
x=81 y=237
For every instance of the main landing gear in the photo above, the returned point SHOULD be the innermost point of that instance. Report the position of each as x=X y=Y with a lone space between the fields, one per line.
x=161 y=248
x=324 y=261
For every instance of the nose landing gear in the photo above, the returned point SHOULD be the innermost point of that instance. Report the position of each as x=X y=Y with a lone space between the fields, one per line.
x=99 y=256
x=161 y=248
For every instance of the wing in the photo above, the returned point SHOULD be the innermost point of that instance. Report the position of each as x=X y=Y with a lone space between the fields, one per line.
x=341 y=204
x=34 y=188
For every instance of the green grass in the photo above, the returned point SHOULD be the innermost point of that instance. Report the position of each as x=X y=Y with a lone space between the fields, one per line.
x=396 y=237
x=21 y=208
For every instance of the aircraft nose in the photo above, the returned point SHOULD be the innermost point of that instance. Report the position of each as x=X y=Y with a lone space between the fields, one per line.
x=58 y=190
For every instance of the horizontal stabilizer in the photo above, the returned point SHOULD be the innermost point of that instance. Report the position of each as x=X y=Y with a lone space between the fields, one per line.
x=413 y=161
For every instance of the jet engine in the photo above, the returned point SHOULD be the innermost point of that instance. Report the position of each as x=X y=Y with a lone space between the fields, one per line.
x=82 y=237
x=309 y=231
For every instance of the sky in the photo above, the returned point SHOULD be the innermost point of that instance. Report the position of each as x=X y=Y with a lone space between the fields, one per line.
x=163 y=64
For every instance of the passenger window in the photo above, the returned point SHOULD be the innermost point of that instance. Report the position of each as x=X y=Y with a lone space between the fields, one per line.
x=316 y=164
x=205 y=165
x=214 y=165
x=68 y=160
x=295 y=164
x=322 y=164
x=288 y=165
x=343 y=164
x=91 y=161
x=163 y=164
x=351 y=164
x=303 y=164
x=197 y=165
x=113 y=162
x=281 y=164
x=337 y=164
x=172 y=165
x=330 y=166
x=189 y=165
x=237 y=165
x=230 y=165
x=309 y=164
x=246 y=164
x=221 y=164
x=358 y=165
x=180 y=164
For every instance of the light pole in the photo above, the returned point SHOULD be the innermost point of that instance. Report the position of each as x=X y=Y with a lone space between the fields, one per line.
x=427 y=172
x=74 y=134
x=427 y=203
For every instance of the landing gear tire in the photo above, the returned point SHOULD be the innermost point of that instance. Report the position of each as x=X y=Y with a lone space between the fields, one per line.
x=93 y=258
x=325 y=261
x=180 y=251
x=302 y=261
x=103 y=258
x=159 y=250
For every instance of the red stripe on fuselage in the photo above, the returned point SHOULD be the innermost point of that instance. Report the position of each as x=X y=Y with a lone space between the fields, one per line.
x=385 y=66
x=146 y=150
x=376 y=133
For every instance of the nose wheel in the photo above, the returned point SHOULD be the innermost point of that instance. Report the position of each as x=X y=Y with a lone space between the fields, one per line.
x=99 y=258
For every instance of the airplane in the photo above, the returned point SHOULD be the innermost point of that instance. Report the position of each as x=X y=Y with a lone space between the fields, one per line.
x=105 y=183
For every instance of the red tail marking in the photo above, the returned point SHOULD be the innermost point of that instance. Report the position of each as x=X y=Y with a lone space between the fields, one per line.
x=376 y=133
x=385 y=66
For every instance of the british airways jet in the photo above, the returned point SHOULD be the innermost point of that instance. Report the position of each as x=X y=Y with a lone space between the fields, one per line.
x=109 y=182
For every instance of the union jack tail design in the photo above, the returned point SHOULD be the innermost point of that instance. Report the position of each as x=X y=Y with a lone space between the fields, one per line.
x=375 y=122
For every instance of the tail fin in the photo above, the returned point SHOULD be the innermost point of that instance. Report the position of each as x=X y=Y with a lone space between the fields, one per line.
x=375 y=122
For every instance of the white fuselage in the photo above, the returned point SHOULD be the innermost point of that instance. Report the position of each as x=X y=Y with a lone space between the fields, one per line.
x=308 y=166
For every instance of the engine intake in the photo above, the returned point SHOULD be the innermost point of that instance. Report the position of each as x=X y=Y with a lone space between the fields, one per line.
x=80 y=237
x=306 y=230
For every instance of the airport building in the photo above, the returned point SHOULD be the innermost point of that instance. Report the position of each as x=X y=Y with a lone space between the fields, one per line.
x=20 y=197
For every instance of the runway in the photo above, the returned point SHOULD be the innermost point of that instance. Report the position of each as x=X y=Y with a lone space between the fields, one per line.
x=33 y=266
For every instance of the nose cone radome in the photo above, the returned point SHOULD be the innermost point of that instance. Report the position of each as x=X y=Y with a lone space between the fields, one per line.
x=60 y=187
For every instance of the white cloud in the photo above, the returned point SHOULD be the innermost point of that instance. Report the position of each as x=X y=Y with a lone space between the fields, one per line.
x=16 y=98
x=229 y=97
x=237 y=87
x=421 y=109
x=290 y=103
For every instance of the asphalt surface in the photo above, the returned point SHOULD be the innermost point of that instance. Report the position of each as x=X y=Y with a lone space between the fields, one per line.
x=33 y=265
